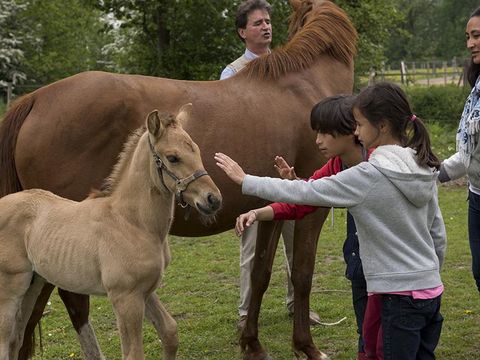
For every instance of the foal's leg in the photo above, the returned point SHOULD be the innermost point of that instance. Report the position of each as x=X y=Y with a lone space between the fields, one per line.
x=165 y=325
x=78 y=306
x=306 y=236
x=28 y=304
x=267 y=241
x=129 y=309
x=12 y=290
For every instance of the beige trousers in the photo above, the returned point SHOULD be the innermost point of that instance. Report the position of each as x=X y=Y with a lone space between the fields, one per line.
x=247 y=253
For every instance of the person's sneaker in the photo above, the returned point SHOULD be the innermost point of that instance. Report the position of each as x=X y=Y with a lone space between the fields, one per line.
x=241 y=322
x=313 y=316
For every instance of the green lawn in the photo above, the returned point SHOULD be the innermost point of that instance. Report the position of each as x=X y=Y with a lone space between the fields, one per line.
x=201 y=291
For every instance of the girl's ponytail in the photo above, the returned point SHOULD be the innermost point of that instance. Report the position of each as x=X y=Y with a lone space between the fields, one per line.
x=419 y=139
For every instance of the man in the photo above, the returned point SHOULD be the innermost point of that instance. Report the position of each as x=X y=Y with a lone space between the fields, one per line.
x=253 y=26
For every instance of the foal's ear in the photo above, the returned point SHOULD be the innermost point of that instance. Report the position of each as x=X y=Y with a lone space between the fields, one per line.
x=153 y=123
x=184 y=113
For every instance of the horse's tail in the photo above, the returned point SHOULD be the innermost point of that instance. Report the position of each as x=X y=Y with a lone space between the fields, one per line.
x=9 y=129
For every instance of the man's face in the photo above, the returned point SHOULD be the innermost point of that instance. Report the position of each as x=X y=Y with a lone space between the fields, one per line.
x=258 y=32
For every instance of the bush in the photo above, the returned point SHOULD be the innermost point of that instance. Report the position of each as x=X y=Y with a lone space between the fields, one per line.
x=442 y=104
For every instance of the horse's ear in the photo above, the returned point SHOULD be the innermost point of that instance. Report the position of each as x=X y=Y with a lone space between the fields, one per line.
x=153 y=123
x=295 y=4
x=184 y=113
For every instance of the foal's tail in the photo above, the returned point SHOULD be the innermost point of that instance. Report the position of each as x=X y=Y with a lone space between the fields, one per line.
x=9 y=129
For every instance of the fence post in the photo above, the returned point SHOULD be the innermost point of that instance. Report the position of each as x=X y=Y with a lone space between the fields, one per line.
x=403 y=72
x=9 y=93
x=444 y=64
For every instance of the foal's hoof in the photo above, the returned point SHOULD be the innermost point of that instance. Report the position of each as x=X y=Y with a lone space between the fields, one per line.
x=301 y=355
x=258 y=356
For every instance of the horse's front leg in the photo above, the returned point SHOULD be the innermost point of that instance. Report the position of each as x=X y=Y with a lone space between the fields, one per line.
x=129 y=310
x=165 y=325
x=78 y=307
x=266 y=245
x=306 y=236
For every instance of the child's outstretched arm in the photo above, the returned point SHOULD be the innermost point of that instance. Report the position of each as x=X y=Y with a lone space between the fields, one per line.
x=230 y=167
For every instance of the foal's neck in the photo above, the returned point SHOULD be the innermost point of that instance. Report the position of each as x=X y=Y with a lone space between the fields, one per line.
x=137 y=199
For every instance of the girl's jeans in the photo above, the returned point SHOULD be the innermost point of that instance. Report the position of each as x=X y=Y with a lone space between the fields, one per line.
x=411 y=327
x=474 y=234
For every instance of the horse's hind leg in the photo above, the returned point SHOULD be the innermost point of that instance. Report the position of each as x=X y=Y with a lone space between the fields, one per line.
x=165 y=325
x=307 y=232
x=267 y=241
x=78 y=307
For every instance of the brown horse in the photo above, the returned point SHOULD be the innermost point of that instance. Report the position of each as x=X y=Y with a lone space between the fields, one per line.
x=65 y=137
x=113 y=243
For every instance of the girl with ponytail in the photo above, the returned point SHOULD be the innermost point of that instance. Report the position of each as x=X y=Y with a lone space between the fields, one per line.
x=393 y=200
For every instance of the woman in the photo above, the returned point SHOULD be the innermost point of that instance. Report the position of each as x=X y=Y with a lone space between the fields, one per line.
x=467 y=159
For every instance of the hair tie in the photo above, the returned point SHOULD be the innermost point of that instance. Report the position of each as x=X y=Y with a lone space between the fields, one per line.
x=413 y=117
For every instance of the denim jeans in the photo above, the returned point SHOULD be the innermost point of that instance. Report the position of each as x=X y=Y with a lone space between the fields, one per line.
x=354 y=272
x=474 y=234
x=411 y=327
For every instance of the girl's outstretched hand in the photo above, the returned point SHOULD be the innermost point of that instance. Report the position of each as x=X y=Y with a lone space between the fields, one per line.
x=244 y=221
x=284 y=170
x=231 y=168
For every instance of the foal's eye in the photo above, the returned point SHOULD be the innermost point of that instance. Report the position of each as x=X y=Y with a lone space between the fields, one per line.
x=173 y=159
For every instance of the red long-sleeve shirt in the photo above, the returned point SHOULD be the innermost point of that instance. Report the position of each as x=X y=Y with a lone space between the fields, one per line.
x=284 y=211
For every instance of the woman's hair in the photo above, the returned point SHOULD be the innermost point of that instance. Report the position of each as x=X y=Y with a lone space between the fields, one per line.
x=385 y=101
x=333 y=115
x=473 y=70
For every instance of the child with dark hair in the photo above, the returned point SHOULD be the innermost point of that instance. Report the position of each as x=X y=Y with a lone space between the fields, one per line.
x=393 y=199
x=333 y=120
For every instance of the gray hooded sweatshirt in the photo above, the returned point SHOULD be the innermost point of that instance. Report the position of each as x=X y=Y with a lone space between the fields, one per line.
x=394 y=203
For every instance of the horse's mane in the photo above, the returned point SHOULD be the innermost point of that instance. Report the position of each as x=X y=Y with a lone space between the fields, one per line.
x=324 y=29
x=110 y=183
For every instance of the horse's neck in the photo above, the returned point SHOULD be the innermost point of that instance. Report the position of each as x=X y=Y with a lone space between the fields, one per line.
x=138 y=200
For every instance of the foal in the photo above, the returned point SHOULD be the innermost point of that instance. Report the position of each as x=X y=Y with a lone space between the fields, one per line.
x=112 y=243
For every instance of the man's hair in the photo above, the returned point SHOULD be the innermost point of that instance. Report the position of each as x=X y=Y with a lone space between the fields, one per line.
x=245 y=8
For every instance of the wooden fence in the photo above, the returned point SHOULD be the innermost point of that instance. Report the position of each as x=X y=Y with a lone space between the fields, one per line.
x=422 y=73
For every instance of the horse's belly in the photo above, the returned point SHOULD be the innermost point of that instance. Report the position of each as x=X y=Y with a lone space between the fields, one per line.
x=79 y=273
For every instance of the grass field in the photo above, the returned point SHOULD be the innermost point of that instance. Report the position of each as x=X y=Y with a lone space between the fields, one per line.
x=201 y=291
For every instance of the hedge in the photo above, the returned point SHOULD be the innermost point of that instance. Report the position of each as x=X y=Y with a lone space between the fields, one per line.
x=443 y=104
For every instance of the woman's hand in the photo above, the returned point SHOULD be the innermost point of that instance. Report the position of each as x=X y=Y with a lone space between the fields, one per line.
x=283 y=169
x=231 y=168
x=244 y=221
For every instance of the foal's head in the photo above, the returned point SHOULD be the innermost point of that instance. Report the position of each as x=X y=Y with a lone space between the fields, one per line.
x=177 y=165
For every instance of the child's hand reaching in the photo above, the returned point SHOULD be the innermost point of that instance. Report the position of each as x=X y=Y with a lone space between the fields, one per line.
x=231 y=168
x=244 y=221
x=284 y=170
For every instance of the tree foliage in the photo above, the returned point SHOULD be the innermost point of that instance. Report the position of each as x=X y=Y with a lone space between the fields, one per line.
x=68 y=39
x=195 y=39
x=12 y=34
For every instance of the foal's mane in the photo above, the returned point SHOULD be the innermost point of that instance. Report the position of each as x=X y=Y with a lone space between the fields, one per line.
x=110 y=183
x=324 y=29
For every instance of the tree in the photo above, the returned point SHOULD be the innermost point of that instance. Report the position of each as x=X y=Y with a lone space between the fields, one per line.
x=11 y=39
x=67 y=38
